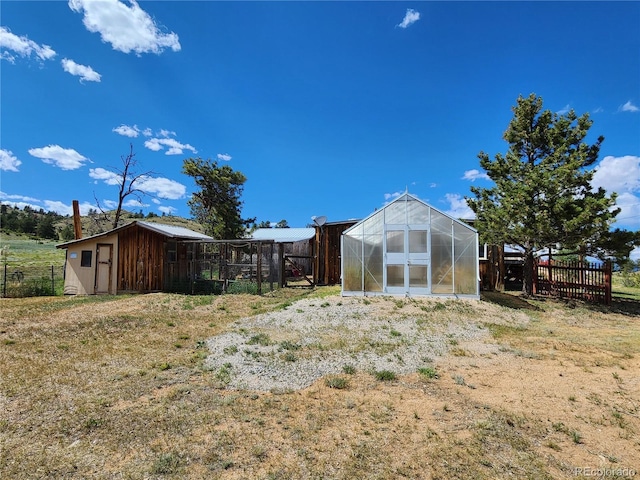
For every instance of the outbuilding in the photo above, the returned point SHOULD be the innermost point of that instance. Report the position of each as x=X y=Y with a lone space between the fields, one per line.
x=410 y=248
x=137 y=257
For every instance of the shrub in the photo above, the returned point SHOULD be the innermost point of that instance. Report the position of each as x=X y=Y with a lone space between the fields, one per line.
x=428 y=372
x=384 y=375
x=337 y=382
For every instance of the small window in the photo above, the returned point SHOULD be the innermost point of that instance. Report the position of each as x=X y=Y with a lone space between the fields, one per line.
x=171 y=252
x=85 y=260
x=482 y=251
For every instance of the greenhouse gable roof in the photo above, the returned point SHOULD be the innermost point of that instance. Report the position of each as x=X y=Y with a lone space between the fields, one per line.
x=408 y=197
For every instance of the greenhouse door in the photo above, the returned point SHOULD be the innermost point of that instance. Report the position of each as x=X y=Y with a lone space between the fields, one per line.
x=407 y=260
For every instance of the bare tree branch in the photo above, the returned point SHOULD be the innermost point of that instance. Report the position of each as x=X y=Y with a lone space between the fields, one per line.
x=127 y=180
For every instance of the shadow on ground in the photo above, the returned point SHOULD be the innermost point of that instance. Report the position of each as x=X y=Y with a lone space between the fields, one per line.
x=621 y=306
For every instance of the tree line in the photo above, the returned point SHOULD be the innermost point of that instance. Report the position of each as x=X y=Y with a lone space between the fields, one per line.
x=30 y=221
x=48 y=225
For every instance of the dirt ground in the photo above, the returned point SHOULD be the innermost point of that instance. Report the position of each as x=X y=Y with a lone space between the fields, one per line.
x=116 y=389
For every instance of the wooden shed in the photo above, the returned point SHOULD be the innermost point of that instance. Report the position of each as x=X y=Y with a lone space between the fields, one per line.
x=137 y=257
x=326 y=249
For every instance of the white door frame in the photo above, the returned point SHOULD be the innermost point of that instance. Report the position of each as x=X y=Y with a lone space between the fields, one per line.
x=408 y=261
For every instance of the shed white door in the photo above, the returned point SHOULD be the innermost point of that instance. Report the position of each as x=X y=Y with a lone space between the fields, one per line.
x=104 y=256
x=407 y=259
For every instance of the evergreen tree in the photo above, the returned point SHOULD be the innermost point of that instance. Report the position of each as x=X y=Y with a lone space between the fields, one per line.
x=542 y=195
x=46 y=227
x=217 y=205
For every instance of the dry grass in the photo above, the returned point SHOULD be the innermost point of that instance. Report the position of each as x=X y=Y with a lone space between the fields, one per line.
x=106 y=387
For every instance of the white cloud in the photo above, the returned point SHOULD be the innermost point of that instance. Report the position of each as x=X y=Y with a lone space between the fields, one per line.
x=389 y=197
x=5 y=196
x=173 y=146
x=111 y=204
x=21 y=205
x=629 y=215
x=621 y=175
x=411 y=17
x=8 y=162
x=167 y=210
x=458 y=207
x=629 y=107
x=127 y=131
x=474 y=175
x=565 y=109
x=127 y=28
x=22 y=46
x=64 y=209
x=162 y=187
x=47 y=205
x=64 y=158
x=84 y=72
x=108 y=177
x=147 y=132
x=618 y=174
x=166 y=133
x=224 y=156
x=134 y=203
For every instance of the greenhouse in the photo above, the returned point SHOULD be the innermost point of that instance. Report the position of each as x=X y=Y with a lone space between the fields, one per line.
x=409 y=248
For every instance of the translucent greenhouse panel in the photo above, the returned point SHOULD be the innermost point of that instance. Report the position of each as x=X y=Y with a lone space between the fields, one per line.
x=374 y=225
x=417 y=241
x=373 y=263
x=352 y=263
x=395 y=241
x=465 y=263
x=395 y=213
x=441 y=251
x=395 y=275
x=418 y=276
x=417 y=213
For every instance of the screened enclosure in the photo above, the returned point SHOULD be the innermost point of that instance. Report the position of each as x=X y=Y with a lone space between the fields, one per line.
x=410 y=248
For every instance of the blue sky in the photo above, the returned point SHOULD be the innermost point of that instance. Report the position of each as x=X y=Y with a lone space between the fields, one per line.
x=329 y=108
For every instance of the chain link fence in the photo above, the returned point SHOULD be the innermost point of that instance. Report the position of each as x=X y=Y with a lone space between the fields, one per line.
x=31 y=281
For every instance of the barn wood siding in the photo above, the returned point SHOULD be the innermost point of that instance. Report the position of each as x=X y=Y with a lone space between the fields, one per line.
x=327 y=269
x=140 y=260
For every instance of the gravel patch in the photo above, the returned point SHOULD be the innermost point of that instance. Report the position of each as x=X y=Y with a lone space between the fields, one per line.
x=289 y=349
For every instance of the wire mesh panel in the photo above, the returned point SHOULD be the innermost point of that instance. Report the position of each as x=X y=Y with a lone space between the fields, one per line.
x=31 y=281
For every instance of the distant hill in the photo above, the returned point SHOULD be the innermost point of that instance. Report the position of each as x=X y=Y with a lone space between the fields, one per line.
x=38 y=224
x=96 y=223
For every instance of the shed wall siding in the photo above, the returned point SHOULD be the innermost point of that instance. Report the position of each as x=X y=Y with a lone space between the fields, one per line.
x=81 y=280
x=140 y=260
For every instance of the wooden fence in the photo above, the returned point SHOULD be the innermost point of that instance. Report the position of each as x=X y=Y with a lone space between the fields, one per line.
x=579 y=280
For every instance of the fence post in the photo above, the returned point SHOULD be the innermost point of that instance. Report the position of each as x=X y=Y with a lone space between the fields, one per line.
x=607 y=282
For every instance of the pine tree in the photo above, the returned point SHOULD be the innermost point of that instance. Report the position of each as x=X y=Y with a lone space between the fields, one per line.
x=542 y=196
x=217 y=206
